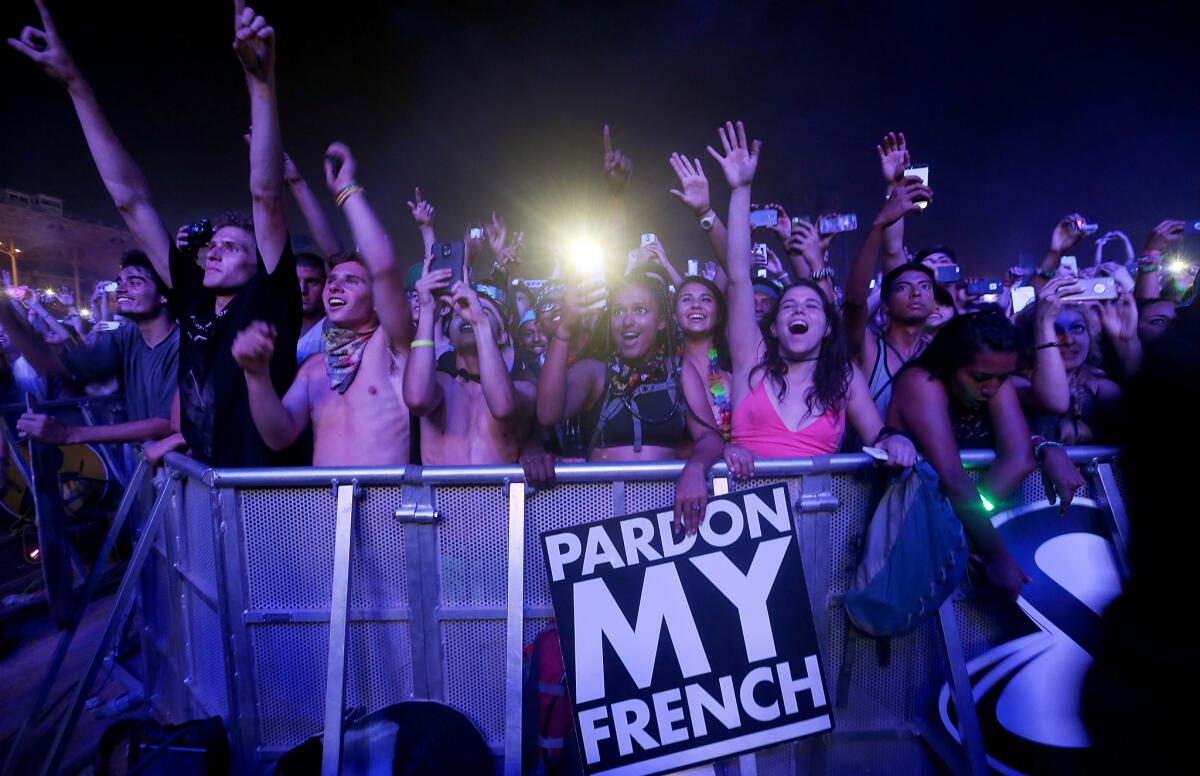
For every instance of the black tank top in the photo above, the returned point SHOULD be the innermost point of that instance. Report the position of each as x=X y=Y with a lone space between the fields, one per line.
x=651 y=414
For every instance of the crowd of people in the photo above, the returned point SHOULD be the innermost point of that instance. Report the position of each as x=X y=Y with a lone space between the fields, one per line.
x=231 y=347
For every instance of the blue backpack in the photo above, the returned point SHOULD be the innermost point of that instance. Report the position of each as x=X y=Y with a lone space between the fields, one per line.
x=913 y=558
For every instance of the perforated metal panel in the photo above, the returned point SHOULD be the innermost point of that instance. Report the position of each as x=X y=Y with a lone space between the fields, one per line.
x=208 y=661
x=377 y=568
x=199 y=556
x=290 y=664
x=551 y=510
x=473 y=545
x=288 y=538
x=475 y=655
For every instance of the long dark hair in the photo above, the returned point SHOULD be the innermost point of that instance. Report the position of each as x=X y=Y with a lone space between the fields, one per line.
x=831 y=379
x=957 y=342
x=720 y=340
x=600 y=347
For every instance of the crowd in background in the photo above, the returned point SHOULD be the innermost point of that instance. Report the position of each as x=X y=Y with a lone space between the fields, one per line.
x=228 y=345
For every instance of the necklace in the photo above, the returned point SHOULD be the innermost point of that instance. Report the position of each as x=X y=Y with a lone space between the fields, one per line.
x=716 y=387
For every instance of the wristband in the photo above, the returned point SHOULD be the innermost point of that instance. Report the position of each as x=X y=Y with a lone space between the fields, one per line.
x=1037 y=449
x=1046 y=274
x=348 y=192
x=820 y=274
x=708 y=220
x=1046 y=345
x=421 y=344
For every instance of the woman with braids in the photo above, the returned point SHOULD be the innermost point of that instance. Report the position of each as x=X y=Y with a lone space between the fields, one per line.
x=700 y=314
x=793 y=385
x=639 y=401
x=957 y=395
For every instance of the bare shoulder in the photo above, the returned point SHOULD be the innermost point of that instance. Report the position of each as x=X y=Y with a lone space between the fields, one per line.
x=916 y=382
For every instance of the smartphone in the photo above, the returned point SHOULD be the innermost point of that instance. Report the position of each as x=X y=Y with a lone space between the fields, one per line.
x=1071 y=263
x=710 y=269
x=693 y=268
x=760 y=254
x=836 y=224
x=109 y=287
x=476 y=233
x=448 y=255
x=648 y=238
x=949 y=273
x=919 y=171
x=1192 y=226
x=1092 y=289
x=763 y=219
x=983 y=287
x=107 y=325
x=1021 y=297
x=1081 y=226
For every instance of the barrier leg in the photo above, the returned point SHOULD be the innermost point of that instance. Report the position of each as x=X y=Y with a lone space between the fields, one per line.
x=1118 y=519
x=132 y=492
x=964 y=702
x=120 y=608
x=339 y=628
x=515 y=627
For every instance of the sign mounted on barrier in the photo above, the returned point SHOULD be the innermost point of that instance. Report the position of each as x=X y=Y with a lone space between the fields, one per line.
x=736 y=667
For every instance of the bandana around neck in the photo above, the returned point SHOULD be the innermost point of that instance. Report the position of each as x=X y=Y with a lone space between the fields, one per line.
x=343 y=355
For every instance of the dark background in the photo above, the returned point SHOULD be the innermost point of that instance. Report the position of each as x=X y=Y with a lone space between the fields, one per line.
x=1023 y=113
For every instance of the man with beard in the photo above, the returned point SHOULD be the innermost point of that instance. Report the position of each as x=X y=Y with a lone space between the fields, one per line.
x=143 y=353
x=353 y=394
x=479 y=414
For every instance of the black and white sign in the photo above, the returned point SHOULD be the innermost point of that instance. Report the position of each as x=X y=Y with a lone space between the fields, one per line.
x=684 y=649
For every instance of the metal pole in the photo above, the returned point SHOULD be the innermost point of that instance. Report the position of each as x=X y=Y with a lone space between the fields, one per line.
x=89 y=589
x=121 y=605
x=1118 y=522
x=970 y=735
x=513 y=673
x=335 y=678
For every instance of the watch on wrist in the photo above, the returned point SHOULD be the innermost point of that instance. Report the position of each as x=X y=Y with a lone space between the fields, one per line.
x=708 y=220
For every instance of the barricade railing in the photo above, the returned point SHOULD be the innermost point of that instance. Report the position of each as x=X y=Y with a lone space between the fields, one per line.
x=285 y=599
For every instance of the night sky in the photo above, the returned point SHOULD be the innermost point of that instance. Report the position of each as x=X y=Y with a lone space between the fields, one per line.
x=1022 y=113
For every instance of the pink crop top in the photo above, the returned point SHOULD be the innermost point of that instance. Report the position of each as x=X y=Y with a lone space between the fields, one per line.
x=758 y=428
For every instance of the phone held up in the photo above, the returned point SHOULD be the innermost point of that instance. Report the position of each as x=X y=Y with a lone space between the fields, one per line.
x=448 y=255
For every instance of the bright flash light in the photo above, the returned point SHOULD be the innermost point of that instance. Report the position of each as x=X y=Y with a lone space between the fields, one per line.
x=987 y=505
x=587 y=257
x=48 y=292
x=1178 y=267
x=85 y=312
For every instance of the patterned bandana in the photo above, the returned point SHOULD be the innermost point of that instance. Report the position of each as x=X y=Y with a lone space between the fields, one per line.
x=625 y=379
x=343 y=355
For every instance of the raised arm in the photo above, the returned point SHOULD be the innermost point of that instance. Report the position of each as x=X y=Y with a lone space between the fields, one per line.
x=1064 y=237
x=694 y=194
x=562 y=391
x=422 y=393
x=387 y=280
x=739 y=164
x=254 y=42
x=121 y=176
x=1150 y=263
x=808 y=260
x=504 y=402
x=26 y=341
x=423 y=213
x=279 y=421
x=323 y=232
x=893 y=160
x=1050 y=388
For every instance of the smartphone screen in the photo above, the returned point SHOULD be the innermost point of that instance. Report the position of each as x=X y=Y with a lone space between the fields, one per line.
x=949 y=273
x=760 y=254
x=919 y=171
x=1021 y=297
x=693 y=267
x=844 y=222
x=765 y=218
x=648 y=238
x=1071 y=263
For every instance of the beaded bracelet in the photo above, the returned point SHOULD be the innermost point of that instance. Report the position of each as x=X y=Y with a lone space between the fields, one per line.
x=348 y=192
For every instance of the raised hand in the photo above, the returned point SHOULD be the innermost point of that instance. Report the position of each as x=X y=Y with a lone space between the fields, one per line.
x=806 y=242
x=581 y=300
x=466 y=302
x=905 y=199
x=1066 y=236
x=46 y=49
x=783 y=225
x=291 y=173
x=422 y=211
x=1163 y=235
x=740 y=159
x=497 y=235
x=893 y=156
x=618 y=167
x=339 y=167
x=693 y=183
x=253 y=347
x=430 y=283
x=1050 y=301
x=66 y=296
x=42 y=428
x=1119 y=317
x=1013 y=276
x=254 y=43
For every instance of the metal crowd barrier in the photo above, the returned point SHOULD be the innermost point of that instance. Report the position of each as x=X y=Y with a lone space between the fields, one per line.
x=283 y=600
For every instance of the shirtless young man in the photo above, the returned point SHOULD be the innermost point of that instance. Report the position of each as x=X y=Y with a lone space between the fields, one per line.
x=479 y=415
x=352 y=394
